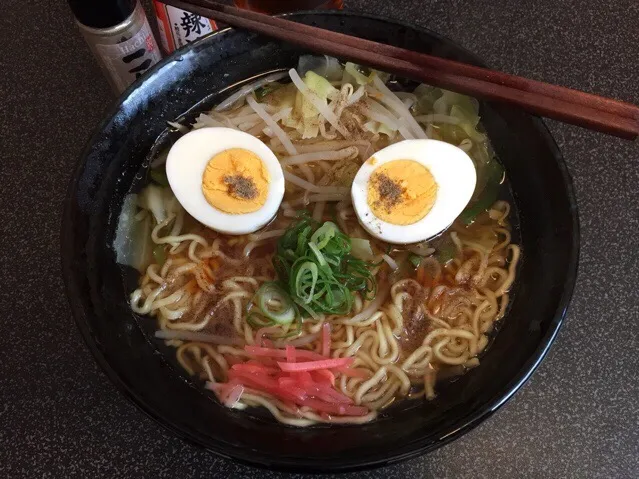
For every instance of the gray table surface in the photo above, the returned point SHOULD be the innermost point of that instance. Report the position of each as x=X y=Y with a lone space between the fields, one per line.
x=577 y=417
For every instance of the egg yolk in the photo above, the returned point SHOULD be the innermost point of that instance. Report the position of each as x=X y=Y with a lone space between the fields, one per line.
x=236 y=181
x=401 y=192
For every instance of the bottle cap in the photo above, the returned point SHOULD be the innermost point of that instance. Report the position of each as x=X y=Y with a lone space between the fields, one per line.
x=102 y=13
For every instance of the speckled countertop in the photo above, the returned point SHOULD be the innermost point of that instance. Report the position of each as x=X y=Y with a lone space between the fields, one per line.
x=577 y=417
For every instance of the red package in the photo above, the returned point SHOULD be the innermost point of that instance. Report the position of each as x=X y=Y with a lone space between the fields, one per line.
x=179 y=27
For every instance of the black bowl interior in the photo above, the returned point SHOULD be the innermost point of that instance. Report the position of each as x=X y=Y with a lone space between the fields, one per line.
x=145 y=371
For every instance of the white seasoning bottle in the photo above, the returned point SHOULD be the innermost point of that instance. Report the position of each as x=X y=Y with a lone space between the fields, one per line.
x=119 y=36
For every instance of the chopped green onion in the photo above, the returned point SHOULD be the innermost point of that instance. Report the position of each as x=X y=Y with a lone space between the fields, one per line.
x=415 y=259
x=267 y=294
x=302 y=240
x=318 y=254
x=323 y=235
x=302 y=284
x=256 y=322
x=294 y=332
x=315 y=266
x=308 y=310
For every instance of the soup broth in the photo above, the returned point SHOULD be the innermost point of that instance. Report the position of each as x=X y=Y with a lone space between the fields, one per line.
x=379 y=322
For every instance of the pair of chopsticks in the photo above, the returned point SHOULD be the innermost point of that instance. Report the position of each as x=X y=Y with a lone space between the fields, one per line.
x=552 y=101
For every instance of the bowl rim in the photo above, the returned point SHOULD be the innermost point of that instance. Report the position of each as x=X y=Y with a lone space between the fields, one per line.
x=417 y=448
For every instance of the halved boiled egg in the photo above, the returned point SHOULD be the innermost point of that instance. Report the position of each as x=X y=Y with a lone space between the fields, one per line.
x=226 y=179
x=412 y=190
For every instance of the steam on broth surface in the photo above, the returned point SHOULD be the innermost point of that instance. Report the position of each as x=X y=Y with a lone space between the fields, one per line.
x=311 y=317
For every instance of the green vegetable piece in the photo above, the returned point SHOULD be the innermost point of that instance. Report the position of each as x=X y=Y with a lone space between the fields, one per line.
x=464 y=102
x=468 y=123
x=305 y=281
x=269 y=293
x=296 y=331
x=415 y=259
x=302 y=240
x=159 y=176
x=361 y=249
x=324 y=234
x=376 y=127
x=446 y=252
x=488 y=196
x=256 y=322
x=353 y=70
x=426 y=97
x=159 y=253
x=266 y=90
x=319 y=85
x=318 y=254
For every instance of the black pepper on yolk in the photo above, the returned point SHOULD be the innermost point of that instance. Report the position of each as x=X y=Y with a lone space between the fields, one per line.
x=401 y=192
x=236 y=181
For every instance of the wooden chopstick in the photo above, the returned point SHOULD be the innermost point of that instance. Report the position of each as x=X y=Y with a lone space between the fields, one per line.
x=561 y=93
x=560 y=103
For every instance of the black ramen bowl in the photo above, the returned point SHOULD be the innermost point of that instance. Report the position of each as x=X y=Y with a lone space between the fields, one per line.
x=146 y=371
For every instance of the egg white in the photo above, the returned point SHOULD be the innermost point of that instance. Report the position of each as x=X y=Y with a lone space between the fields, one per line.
x=453 y=171
x=185 y=166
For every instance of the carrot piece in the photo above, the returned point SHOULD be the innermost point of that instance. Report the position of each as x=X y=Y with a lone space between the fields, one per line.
x=254 y=368
x=300 y=387
x=323 y=376
x=263 y=360
x=260 y=380
x=288 y=384
x=267 y=384
x=303 y=378
x=234 y=395
x=290 y=354
x=286 y=381
x=328 y=394
x=222 y=390
x=314 y=365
